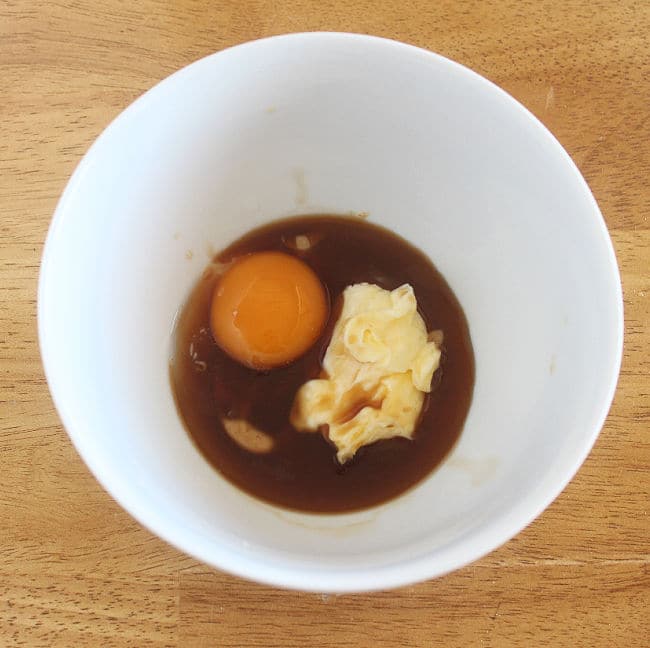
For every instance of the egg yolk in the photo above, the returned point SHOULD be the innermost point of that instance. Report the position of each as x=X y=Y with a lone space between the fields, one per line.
x=267 y=309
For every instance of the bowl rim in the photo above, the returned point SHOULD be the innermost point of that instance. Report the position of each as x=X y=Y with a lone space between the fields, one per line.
x=411 y=569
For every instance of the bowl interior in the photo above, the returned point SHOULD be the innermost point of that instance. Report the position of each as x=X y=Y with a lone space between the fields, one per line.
x=323 y=123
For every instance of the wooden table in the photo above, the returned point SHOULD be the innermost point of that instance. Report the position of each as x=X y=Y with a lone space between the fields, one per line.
x=76 y=570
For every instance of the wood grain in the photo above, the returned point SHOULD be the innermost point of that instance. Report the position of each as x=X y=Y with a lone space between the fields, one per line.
x=75 y=570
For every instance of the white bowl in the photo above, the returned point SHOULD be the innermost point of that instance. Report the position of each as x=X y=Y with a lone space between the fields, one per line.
x=327 y=122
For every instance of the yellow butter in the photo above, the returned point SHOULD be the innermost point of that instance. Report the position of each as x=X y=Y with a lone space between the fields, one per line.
x=378 y=366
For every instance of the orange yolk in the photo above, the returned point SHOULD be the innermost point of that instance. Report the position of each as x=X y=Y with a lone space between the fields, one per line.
x=267 y=309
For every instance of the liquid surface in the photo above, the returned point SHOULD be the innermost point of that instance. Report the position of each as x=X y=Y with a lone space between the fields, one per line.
x=298 y=470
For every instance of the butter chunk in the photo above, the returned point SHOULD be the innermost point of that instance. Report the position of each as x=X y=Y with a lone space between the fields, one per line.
x=377 y=368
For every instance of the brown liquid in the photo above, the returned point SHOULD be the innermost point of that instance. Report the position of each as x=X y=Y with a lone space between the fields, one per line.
x=301 y=471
